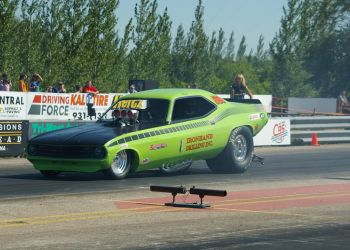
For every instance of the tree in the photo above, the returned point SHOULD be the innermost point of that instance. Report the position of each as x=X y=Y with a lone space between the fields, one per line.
x=122 y=59
x=179 y=57
x=141 y=63
x=74 y=16
x=100 y=42
x=50 y=52
x=161 y=56
x=197 y=43
x=260 y=52
x=7 y=26
x=30 y=38
x=230 y=49
x=241 y=49
x=290 y=77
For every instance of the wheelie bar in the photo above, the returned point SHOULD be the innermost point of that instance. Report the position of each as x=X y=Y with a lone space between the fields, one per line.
x=258 y=159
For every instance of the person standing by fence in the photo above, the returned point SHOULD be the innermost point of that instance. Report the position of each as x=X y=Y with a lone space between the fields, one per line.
x=35 y=83
x=90 y=88
x=22 y=86
x=343 y=105
x=239 y=88
x=5 y=83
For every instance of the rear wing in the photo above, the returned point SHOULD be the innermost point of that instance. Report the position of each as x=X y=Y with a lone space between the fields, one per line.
x=248 y=101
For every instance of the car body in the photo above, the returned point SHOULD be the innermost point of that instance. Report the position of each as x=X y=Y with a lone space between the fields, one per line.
x=160 y=128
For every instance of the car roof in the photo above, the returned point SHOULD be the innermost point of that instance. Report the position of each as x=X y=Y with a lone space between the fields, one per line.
x=171 y=93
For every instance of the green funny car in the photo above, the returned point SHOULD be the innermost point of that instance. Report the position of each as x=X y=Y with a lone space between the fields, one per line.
x=162 y=128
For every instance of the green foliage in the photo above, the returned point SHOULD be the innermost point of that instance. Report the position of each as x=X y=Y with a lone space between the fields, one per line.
x=179 y=57
x=7 y=26
x=74 y=41
x=197 y=43
x=311 y=52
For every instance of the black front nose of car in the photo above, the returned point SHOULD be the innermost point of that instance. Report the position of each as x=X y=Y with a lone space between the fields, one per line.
x=100 y=152
x=67 y=151
x=32 y=150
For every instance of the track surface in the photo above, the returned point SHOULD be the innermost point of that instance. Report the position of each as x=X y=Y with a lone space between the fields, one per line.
x=300 y=198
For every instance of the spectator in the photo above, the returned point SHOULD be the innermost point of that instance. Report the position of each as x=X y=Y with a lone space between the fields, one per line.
x=5 y=83
x=50 y=89
x=132 y=89
x=195 y=85
x=2 y=85
x=89 y=88
x=239 y=88
x=22 y=86
x=343 y=105
x=61 y=88
x=35 y=83
x=78 y=89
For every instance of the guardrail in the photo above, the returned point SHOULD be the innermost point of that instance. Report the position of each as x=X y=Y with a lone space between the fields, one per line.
x=329 y=129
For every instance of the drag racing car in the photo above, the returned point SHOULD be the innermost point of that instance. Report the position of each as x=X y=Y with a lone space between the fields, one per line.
x=161 y=128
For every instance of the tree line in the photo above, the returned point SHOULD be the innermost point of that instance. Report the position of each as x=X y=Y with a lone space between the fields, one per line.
x=74 y=41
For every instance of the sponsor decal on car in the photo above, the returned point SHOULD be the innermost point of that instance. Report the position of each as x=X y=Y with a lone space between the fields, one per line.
x=198 y=142
x=254 y=117
x=158 y=146
x=131 y=104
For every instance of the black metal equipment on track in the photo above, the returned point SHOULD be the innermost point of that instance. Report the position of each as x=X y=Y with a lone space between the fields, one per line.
x=193 y=190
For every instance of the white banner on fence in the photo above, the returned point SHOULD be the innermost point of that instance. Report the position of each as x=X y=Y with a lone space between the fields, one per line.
x=73 y=106
x=48 y=106
x=79 y=111
x=12 y=105
x=55 y=106
x=276 y=132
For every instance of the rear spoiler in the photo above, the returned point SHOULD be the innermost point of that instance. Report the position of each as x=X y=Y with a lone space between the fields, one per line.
x=249 y=101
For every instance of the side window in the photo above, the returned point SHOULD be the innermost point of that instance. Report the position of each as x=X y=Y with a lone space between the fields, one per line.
x=190 y=108
x=156 y=111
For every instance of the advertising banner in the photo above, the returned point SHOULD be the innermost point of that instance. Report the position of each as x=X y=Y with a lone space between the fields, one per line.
x=48 y=106
x=100 y=103
x=13 y=137
x=276 y=132
x=39 y=127
x=73 y=106
x=12 y=105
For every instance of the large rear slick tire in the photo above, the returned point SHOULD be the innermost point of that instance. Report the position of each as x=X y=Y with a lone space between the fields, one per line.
x=237 y=155
x=120 y=167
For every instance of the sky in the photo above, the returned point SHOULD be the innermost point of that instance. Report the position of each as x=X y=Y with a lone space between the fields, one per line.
x=250 y=18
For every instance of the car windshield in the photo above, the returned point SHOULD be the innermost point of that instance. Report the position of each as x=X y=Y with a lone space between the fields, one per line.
x=143 y=110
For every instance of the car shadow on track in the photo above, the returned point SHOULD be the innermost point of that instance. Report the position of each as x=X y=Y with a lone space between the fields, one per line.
x=99 y=176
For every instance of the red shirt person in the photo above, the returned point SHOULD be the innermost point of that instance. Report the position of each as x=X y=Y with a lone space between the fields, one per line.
x=89 y=88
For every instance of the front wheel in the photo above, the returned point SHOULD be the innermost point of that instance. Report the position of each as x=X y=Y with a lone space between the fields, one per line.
x=120 y=167
x=237 y=155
